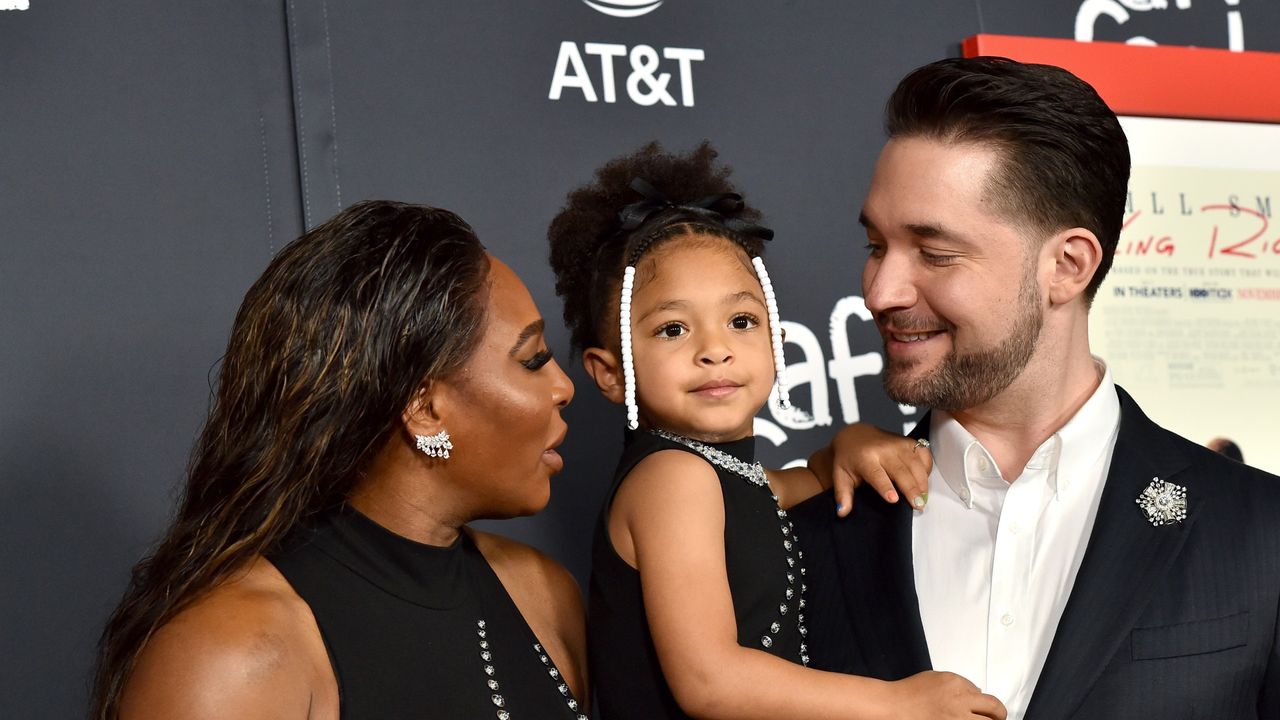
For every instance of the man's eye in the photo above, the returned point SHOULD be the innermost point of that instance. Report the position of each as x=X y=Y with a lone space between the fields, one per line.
x=875 y=250
x=935 y=259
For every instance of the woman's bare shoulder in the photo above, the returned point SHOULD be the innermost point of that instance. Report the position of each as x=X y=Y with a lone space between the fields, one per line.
x=536 y=572
x=249 y=648
x=547 y=596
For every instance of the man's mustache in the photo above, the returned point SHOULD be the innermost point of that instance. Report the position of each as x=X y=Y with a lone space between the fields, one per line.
x=903 y=321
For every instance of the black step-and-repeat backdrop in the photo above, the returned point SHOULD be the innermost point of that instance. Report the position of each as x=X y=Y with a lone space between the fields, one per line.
x=155 y=155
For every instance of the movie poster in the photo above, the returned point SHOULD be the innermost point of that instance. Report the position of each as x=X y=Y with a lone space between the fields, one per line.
x=1189 y=317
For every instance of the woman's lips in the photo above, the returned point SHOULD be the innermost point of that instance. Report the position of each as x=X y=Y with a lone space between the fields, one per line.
x=551 y=457
x=553 y=460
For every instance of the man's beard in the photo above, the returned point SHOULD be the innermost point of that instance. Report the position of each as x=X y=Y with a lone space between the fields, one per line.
x=965 y=381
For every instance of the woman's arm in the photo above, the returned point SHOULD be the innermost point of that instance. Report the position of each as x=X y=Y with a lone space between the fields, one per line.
x=548 y=598
x=668 y=521
x=249 y=649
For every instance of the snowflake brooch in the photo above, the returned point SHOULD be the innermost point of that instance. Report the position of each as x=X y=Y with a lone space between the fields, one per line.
x=1163 y=502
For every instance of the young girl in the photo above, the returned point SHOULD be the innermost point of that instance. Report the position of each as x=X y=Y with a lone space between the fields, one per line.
x=698 y=580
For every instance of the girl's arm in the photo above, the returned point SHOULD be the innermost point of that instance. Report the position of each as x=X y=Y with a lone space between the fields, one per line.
x=865 y=453
x=667 y=520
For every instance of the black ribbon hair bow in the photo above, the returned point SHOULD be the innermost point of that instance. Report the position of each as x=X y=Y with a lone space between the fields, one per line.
x=721 y=209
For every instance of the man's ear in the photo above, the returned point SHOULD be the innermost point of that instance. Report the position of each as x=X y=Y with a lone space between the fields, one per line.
x=603 y=367
x=424 y=414
x=1076 y=255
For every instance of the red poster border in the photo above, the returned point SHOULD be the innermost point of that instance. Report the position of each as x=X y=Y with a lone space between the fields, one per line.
x=1159 y=81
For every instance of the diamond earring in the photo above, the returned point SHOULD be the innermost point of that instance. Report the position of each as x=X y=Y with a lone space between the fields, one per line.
x=437 y=445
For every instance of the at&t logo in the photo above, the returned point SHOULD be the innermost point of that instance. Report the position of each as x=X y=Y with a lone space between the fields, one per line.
x=624 y=8
x=645 y=85
x=650 y=80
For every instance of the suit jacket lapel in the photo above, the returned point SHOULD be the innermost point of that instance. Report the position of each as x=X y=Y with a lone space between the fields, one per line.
x=1124 y=560
x=873 y=547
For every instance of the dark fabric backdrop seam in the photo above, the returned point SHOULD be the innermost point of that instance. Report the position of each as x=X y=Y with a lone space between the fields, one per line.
x=333 y=109
x=299 y=124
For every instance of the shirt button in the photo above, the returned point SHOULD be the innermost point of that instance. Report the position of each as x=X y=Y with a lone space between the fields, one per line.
x=983 y=465
x=964 y=495
x=1015 y=528
x=1006 y=620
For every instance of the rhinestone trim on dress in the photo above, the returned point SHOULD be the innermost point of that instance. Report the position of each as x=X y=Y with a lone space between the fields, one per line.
x=754 y=474
x=555 y=676
x=486 y=655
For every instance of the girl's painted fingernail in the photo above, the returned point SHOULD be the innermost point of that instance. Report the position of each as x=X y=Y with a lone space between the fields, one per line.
x=840 y=507
x=920 y=500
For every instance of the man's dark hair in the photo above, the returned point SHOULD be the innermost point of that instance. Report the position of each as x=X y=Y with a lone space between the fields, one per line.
x=1064 y=159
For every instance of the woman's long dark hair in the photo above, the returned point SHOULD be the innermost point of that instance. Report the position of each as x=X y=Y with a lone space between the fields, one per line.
x=327 y=350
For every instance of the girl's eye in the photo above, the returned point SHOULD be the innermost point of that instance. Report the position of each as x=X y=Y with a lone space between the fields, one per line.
x=537 y=361
x=671 y=330
x=744 y=322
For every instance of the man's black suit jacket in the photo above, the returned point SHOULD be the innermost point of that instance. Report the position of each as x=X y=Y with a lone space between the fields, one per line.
x=1163 y=623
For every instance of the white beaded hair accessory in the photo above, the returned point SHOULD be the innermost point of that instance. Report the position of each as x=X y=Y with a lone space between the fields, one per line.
x=783 y=394
x=437 y=445
x=719 y=209
x=628 y=363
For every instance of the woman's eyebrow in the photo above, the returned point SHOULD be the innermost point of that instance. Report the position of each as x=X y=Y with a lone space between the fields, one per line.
x=531 y=330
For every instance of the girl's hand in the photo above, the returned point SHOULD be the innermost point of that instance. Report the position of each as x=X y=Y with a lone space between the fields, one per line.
x=863 y=453
x=943 y=696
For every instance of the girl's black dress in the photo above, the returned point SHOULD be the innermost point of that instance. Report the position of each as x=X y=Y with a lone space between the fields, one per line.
x=417 y=631
x=766 y=577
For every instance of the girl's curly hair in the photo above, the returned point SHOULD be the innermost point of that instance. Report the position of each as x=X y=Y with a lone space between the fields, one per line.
x=588 y=253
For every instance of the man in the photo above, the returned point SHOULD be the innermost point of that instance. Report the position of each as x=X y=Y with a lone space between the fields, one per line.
x=1074 y=559
x=1226 y=447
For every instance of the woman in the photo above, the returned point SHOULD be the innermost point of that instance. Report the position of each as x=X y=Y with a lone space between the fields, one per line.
x=386 y=382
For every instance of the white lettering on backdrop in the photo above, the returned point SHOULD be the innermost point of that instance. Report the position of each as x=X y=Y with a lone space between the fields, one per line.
x=1118 y=10
x=814 y=371
x=645 y=84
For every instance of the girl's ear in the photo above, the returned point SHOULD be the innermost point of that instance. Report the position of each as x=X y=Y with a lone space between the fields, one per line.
x=603 y=367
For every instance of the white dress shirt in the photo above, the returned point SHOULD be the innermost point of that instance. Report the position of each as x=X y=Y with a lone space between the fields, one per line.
x=995 y=561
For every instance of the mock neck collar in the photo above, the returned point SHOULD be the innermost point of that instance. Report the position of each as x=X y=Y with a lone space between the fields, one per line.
x=427 y=575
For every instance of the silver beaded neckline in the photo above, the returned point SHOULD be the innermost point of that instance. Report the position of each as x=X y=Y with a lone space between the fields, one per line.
x=753 y=472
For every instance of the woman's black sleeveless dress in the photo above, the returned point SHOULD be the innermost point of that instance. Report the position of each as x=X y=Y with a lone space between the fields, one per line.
x=766 y=580
x=417 y=631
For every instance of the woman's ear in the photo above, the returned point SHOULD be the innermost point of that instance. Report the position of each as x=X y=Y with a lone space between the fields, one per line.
x=603 y=367
x=423 y=416
x=1076 y=255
